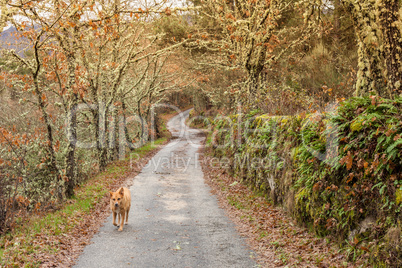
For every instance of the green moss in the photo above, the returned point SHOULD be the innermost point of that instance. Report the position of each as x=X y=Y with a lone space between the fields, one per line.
x=356 y=125
x=398 y=195
x=294 y=153
x=327 y=197
x=300 y=195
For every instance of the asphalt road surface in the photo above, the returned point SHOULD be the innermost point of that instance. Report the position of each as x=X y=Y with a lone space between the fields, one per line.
x=174 y=220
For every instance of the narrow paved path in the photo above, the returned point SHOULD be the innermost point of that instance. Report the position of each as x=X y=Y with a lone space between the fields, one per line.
x=174 y=220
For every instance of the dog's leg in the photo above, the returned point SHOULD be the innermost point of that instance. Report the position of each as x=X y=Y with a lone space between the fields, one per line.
x=114 y=218
x=127 y=215
x=122 y=220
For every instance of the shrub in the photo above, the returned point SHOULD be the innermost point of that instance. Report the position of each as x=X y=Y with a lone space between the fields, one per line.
x=336 y=172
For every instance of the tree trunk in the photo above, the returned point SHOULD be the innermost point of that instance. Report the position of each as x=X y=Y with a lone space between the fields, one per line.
x=114 y=136
x=337 y=15
x=253 y=87
x=71 y=164
x=389 y=19
x=199 y=100
x=337 y=21
x=72 y=140
x=100 y=137
x=370 y=77
x=42 y=106
x=103 y=140
x=50 y=140
x=128 y=140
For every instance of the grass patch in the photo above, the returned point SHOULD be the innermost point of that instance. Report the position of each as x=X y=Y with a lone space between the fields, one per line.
x=44 y=233
x=148 y=147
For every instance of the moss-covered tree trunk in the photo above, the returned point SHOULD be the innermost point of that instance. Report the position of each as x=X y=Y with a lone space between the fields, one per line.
x=99 y=123
x=114 y=135
x=72 y=139
x=200 y=101
x=102 y=139
x=388 y=11
x=72 y=102
x=370 y=76
x=49 y=128
x=253 y=86
x=128 y=140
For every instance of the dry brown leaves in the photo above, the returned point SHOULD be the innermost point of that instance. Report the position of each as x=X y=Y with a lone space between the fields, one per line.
x=269 y=231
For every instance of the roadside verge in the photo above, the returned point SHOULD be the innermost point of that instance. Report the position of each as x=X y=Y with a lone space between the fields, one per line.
x=56 y=238
x=269 y=231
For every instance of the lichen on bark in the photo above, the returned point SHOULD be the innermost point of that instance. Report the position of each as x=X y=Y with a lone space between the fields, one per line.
x=389 y=18
x=370 y=75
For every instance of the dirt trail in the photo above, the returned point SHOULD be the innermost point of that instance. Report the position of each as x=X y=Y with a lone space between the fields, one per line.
x=175 y=221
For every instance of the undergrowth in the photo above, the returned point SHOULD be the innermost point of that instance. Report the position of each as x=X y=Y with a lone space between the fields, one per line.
x=337 y=172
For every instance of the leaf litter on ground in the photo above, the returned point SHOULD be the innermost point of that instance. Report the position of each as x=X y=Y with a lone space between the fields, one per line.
x=272 y=234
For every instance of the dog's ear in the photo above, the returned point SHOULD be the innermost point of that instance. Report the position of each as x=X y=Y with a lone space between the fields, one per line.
x=121 y=191
x=111 y=193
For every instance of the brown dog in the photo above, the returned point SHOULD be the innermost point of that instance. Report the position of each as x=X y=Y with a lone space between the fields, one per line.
x=120 y=203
